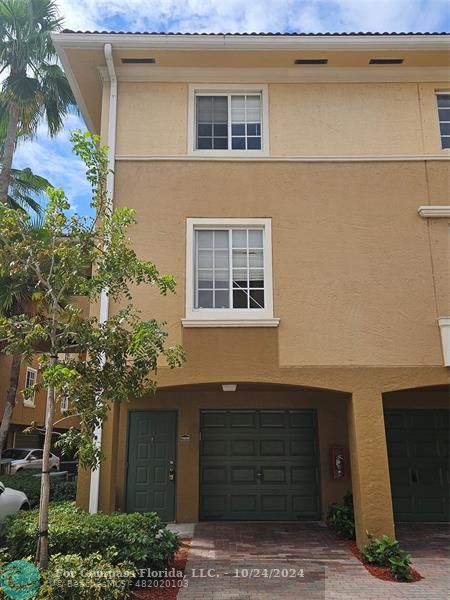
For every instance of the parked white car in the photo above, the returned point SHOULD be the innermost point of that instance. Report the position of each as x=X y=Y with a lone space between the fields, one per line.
x=11 y=501
x=28 y=458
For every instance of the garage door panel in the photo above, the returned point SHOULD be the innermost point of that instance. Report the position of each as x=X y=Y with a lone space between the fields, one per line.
x=305 y=504
x=242 y=447
x=418 y=443
x=256 y=466
x=214 y=419
x=299 y=419
x=214 y=475
x=273 y=475
x=214 y=503
x=214 y=448
x=243 y=419
x=272 y=448
x=301 y=447
x=243 y=475
x=272 y=419
x=243 y=503
x=274 y=503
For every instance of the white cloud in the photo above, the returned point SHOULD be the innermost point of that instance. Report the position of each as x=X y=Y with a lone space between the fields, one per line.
x=53 y=159
x=256 y=15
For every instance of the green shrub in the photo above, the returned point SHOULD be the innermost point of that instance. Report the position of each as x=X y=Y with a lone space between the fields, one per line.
x=341 y=517
x=31 y=486
x=386 y=552
x=94 y=577
x=137 y=538
x=401 y=567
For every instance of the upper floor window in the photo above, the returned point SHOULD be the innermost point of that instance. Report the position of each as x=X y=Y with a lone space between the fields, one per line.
x=229 y=268
x=30 y=382
x=228 y=121
x=229 y=272
x=443 y=102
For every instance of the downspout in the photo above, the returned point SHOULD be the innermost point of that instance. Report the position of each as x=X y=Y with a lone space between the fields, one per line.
x=104 y=298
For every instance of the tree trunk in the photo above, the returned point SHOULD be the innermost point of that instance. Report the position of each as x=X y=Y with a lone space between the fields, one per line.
x=8 y=153
x=42 y=547
x=10 y=399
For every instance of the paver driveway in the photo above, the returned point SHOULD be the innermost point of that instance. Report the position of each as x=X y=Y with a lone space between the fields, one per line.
x=330 y=570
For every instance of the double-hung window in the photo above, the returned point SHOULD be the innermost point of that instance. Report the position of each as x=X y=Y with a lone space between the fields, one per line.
x=229 y=272
x=443 y=103
x=229 y=122
x=30 y=382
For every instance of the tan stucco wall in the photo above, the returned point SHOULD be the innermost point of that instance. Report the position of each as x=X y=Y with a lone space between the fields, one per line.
x=152 y=118
x=306 y=119
x=352 y=266
x=344 y=119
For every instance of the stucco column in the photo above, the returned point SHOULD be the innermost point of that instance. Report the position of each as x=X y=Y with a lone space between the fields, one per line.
x=83 y=488
x=370 y=468
x=107 y=501
x=187 y=497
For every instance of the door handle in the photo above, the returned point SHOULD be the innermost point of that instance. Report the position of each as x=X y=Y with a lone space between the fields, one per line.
x=172 y=471
x=259 y=475
x=414 y=477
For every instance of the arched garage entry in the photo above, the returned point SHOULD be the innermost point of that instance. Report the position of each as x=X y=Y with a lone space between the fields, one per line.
x=261 y=452
x=417 y=435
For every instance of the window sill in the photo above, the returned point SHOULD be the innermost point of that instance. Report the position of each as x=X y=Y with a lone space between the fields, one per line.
x=269 y=322
x=438 y=211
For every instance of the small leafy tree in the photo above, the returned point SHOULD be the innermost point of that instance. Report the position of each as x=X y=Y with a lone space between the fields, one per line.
x=92 y=363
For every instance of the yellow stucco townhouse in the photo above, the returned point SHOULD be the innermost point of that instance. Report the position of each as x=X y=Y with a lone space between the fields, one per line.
x=297 y=186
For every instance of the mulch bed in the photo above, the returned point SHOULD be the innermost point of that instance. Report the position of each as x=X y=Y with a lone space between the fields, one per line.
x=167 y=588
x=383 y=573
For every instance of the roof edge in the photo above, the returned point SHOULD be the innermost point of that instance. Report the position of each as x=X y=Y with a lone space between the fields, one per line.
x=255 y=41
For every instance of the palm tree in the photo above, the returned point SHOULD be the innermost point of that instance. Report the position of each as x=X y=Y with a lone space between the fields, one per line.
x=24 y=187
x=35 y=88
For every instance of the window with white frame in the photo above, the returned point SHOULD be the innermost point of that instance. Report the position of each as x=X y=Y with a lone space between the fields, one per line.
x=64 y=403
x=229 y=269
x=229 y=120
x=443 y=103
x=30 y=381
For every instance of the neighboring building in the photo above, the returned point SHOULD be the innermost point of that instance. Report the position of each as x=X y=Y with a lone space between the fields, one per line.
x=297 y=186
x=28 y=411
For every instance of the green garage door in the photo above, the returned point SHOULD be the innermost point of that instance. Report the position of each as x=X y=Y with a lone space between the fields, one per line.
x=418 y=442
x=259 y=465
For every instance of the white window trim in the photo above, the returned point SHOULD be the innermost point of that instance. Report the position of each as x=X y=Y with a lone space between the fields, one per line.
x=215 y=88
x=229 y=317
x=30 y=402
x=441 y=93
x=64 y=404
x=444 y=326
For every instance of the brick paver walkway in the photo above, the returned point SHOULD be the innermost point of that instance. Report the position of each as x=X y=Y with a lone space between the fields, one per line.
x=330 y=570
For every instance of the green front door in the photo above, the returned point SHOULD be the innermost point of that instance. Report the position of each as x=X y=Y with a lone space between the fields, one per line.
x=259 y=465
x=151 y=463
x=418 y=442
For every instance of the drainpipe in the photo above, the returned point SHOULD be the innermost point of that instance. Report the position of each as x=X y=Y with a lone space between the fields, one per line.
x=104 y=298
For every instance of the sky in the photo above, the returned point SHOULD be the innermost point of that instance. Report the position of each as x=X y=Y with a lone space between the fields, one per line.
x=53 y=158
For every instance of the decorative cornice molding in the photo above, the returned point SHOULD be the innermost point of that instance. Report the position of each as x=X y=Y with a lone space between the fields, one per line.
x=315 y=159
x=427 y=212
x=278 y=74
